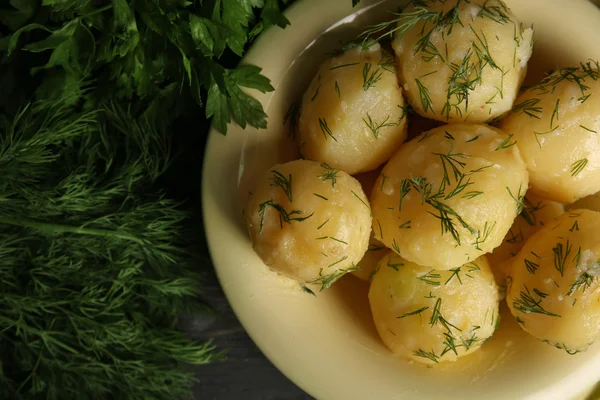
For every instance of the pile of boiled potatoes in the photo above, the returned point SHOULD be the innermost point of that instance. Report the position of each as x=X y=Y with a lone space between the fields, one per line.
x=449 y=222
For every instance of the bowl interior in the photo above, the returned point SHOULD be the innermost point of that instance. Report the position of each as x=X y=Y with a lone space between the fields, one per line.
x=328 y=344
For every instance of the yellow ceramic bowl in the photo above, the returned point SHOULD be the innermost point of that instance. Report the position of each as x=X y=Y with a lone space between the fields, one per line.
x=328 y=344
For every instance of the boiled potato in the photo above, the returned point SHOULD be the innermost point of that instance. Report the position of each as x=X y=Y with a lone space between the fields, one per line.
x=432 y=315
x=591 y=202
x=376 y=250
x=309 y=221
x=450 y=195
x=536 y=214
x=461 y=60
x=553 y=284
x=556 y=124
x=353 y=115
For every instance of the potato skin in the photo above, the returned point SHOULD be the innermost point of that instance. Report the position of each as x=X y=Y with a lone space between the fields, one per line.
x=431 y=315
x=450 y=195
x=462 y=71
x=536 y=213
x=376 y=249
x=556 y=126
x=553 y=284
x=323 y=230
x=353 y=115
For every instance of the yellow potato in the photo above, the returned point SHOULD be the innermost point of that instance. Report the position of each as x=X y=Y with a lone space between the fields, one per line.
x=553 y=284
x=536 y=214
x=432 y=315
x=353 y=115
x=461 y=60
x=376 y=249
x=450 y=195
x=309 y=221
x=556 y=125
x=591 y=202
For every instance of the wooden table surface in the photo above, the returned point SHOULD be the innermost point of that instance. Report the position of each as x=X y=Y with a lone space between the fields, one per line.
x=246 y=374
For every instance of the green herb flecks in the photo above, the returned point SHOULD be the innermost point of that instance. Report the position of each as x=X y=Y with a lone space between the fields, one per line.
x=584 y=281
x=578 y=166
x=284 y=216
x=430 y=355
x=375 y=127
x=528 y=107
x=561 y=254
x=528 y=304
x=506 y=143
x=330 y=174
x=325 y=129
x=416 y=312
x=326 y=280
x=425 y=96
x=285 y=183
x=431 y=278
x=370 y=78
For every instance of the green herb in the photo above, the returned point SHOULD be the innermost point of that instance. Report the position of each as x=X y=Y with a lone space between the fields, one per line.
x=436 y=314
x=291 y=116
x=455 y=273
x=322 y=225
x=370 y=78
x=497 y=13
x=519 y=199
x=374 y=127
x=395 y=246
x=584 y=281
x=361 y=200
x=325 y=129
x=330 y=174
x=405 y=225
x=344 y=66
x=527 y=304
x=306 y=289
x=425 y=96
x=316 y=93
x=529 y=107
x=320 y=196
x=337 y=89
x=97 y=268
x=506 y=143
x=554 y=113
x=429 y=355
x=588 y=129
x=416 y=312
x=578 y=166
x=430 y=278
x=284 y=216
x=561 y=253
x=284 y=183
x=483 y=237
x=403 y=23
x=329 y=279
x=395 y=266
x=531 y=266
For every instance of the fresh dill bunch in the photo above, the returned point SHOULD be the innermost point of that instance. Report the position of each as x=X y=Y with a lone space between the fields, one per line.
x=96 y=268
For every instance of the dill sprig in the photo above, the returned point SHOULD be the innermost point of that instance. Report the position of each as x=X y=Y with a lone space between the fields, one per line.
x=326 y=280
x=96 y=269
x=527 y=303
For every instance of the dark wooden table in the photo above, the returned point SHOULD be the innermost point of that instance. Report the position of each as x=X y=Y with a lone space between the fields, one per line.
x=246 y=374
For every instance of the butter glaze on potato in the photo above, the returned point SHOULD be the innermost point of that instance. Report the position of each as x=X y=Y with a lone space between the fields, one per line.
x=554 y=285
x=461 y=60
x=309 y=221
x=450 y=195
x=431 y=315
x=353 y=115
x=556 y=124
